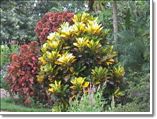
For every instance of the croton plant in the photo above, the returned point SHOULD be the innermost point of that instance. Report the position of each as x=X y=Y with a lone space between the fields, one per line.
x=77 y=58
x=22 y=71
x=24 y=65
x=50 y=23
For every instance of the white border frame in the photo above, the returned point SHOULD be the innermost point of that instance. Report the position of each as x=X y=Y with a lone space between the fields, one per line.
x=105 y=113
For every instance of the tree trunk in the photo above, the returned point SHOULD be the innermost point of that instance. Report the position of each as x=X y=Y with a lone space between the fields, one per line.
x=115 y=22
x=90 y=5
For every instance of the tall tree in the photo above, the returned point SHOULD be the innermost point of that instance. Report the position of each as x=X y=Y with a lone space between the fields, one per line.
x=115 y=20
x=90 y=5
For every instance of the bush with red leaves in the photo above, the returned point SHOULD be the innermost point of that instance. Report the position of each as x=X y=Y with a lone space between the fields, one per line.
x=22 y=71
x=50 y=23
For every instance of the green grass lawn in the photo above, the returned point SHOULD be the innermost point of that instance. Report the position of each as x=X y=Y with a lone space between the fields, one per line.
x=9 y=105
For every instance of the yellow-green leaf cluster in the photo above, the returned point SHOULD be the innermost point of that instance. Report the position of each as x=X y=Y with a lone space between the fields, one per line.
x=79 y=83
x=65 y=59
x=99 y=74
x=77 y=57
x=119 y=71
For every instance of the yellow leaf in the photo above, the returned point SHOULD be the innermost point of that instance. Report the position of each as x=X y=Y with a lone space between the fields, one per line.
x=71 y=69
x=86 y=84
x=42 y=60
x=51 y=90
x=65 y=59
x=51 y=36
x=44 y=47
x=109 y=61
x=40 y=78
x=72 y=87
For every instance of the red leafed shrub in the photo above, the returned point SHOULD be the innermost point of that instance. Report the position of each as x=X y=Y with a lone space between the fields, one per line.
x=22 y=71
x=50 y=22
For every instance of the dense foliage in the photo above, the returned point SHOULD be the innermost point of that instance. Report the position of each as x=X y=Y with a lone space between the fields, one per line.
x=134 y=34
x=78 y=64
x=17 y=21
x=50 y=23
x=77 y=58
x=18 y=18
x=6 y=52
x=22 y=71
x=87 y=103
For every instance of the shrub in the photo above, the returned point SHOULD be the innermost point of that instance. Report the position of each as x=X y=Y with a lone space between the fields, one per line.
x=78 y=58
x=22 y=71
x=87 y=103
x=138 y=91
x=50 y=23
x=137 y=98
x=131 y=107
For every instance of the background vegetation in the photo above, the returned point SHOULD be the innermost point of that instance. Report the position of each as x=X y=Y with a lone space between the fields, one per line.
x=128 y=25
